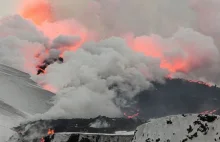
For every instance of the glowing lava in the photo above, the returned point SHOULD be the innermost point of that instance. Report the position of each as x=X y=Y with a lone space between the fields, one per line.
x=131 y=116
x=209 y=112
x=50 y=132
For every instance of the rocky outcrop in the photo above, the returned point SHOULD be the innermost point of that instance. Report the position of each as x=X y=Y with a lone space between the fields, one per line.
x=180 y=128
x=82 y=129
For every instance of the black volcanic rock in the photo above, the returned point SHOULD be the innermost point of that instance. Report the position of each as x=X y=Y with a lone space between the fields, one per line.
x=78 y=125
x=187 y=129
x=177 y=96
x=46 y=63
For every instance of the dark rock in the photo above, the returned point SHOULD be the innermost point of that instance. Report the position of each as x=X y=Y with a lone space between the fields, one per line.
x=189 y=130
x=169 y=122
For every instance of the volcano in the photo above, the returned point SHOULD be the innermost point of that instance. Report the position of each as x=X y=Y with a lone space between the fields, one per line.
x=176 y=96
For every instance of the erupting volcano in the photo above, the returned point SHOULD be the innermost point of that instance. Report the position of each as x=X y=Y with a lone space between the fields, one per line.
x=133 y=60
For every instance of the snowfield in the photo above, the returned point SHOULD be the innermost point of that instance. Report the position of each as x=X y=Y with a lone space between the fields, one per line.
x=20 y=98
x=180 y=128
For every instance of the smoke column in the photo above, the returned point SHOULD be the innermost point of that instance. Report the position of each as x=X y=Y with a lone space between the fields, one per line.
x=123 y=43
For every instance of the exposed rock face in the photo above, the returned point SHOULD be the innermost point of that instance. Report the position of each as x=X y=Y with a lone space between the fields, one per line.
x=180 y=128
x=33 y=131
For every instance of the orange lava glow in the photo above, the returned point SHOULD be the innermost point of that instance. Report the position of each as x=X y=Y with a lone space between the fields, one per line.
x=68 y=28
x=193 y=81
x=208 y=112
x=38 y=11
x=50 y=132
x=131 y=116
x=200 y=82
x=150 y=47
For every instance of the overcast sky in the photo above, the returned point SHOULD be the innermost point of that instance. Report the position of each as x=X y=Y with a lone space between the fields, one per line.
x=7 y=7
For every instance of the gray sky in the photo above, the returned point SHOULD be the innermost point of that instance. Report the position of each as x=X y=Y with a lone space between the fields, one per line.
x=8 y=7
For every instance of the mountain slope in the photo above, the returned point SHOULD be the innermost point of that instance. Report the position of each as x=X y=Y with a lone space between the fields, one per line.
x=22 y=93
x=19 y=98
x=177 y=96
x=180 y=128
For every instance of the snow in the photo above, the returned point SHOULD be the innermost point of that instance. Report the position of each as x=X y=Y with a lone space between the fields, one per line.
x=21 y=92
x=20 y=98
x=190 y=128
x=99 y=124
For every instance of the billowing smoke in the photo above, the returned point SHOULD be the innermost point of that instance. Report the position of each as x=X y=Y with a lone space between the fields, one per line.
x=111 y=49
x=115 y=17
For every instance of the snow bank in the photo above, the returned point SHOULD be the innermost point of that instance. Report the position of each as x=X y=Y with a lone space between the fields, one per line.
x=184 y=128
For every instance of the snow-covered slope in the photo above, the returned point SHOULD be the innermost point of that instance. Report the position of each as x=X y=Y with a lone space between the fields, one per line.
x=19 y=98
x=21 y=92
x=180 y=128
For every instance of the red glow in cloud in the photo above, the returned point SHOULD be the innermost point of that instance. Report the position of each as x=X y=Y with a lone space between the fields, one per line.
x=150 y=47
x=66 y=27
x=174 y=55
x=50 y=88
x=38 y=11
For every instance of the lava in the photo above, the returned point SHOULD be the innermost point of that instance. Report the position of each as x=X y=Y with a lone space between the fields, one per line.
x=209 y=111
x=49 y=137
x=200 y=82
x=192 y=81
x=131 y=116
x=50 y=132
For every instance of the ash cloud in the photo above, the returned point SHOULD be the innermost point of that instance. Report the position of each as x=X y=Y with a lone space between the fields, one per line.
x=86 y=75
x=167 y=37
x=65 y=41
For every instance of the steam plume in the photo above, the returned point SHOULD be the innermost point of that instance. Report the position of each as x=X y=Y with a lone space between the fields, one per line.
x=151 y=39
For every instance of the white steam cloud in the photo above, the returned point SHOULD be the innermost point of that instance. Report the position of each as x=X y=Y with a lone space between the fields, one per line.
x=167 y=36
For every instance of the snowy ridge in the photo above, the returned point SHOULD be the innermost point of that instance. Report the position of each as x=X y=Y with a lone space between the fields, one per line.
x=180 y=128
x=20 y=97
x=27 y=96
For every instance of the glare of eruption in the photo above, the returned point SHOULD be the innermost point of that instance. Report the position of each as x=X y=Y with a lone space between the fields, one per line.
x=38 y=11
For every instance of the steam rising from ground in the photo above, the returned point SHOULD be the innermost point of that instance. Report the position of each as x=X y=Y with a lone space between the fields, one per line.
x=155 y=39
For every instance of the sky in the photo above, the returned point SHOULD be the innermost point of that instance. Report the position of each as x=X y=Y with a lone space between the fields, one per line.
x=7 y=7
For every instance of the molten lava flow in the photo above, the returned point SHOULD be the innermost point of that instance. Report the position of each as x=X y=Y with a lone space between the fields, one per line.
x=38 y=11
x=50 y=132
x=131 y=116
x=200 y=82
x=209 y=112
x=192 y=81
x=49 y=137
